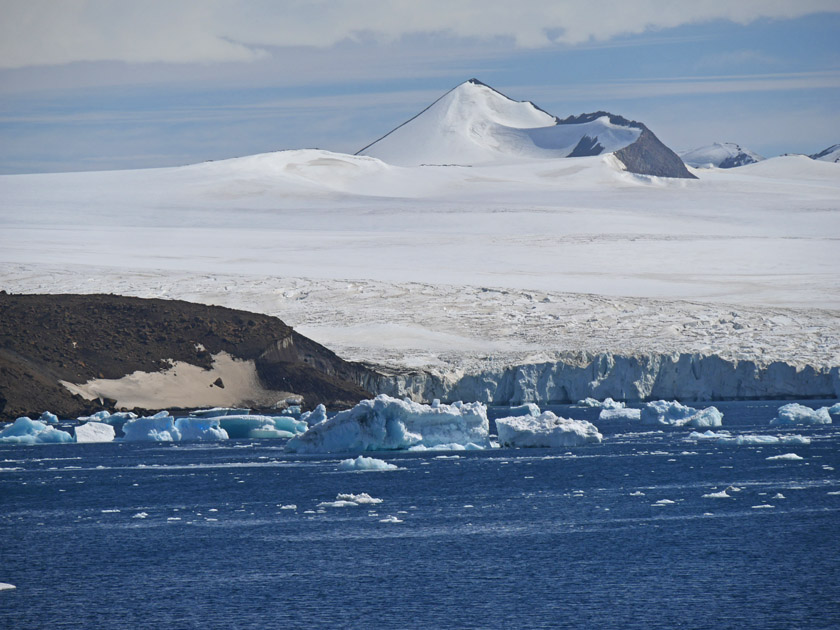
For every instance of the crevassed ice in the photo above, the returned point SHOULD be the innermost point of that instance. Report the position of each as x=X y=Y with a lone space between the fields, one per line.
x=386 y=423
x=546 y=430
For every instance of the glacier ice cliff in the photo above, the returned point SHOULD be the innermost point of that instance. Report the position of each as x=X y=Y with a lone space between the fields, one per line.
x=639 y=377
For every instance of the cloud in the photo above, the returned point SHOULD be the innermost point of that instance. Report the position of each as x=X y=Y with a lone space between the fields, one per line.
x=45 y=32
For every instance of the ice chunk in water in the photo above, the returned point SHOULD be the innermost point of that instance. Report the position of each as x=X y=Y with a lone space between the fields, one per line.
x=26 y=431
x=545 y=430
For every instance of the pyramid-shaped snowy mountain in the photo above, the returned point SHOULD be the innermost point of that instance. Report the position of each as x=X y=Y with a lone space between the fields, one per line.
x=720 y=155
x=474 y=124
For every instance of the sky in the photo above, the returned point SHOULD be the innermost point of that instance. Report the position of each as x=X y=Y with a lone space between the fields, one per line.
x=108 y=84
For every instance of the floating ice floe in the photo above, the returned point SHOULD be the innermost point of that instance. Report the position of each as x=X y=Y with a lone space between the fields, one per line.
x=834 y=409
x=717 y=495
x=672 y=413
x=546 y=430
x=316 y=416
x=94 y=432
x=386 y=423
x=793 y=457
x=257 y=426
x=5 y=586
x=365 y=463
x=528 y=409
x=27 y=431
x=724 y=437
x=351 y=500
x=620 y=414
x=607 y=403
x=794 y=413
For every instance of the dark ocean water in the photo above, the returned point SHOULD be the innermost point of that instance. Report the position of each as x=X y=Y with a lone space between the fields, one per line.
x=196 y=536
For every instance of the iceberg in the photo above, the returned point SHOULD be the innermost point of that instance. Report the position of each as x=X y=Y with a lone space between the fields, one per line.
x=5 y=586
x=156 y=428
x=257 y=426
x=94 y=432
x=620 y=414
x=48 y=417
x=202 y=429
x=794 y=413
x=316 y=416
x=834 y=409
x=608 y=403
x=723 y=437
x=793 y=457
x=27 y=431
x=220 y=411
x=528 y=409
x=386 y=423
x=662 y=412
x=365 y=463
x=546 y=430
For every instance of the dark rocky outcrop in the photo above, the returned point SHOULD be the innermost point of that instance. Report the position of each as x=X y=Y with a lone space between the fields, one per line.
x=587 y=146
x=646 y=156
x=48 y=338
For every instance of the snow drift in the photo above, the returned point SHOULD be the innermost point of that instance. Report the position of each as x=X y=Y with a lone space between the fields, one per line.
x=386 y=423
x=545 y=430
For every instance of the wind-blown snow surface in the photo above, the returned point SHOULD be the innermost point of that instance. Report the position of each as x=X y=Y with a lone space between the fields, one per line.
x=467 y=271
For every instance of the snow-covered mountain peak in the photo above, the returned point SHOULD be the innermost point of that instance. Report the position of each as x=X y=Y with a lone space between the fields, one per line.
x=720 y=155
x=474 y=124
x=831 y=154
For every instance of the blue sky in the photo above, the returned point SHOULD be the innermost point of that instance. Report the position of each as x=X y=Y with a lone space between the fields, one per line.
x=101 y=84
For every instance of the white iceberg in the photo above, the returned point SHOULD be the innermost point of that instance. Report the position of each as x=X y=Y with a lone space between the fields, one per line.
x=545 y=430
x=724 y=437
x=202 y=429
x=156 y=428
x=620 y=414
x=316 y=416
x=672 y=413
x=27 y=431
x=386 y=423
x=365 y=463
x=794 y=413
x=94 y=432
x=835 y=409
x=351 y=500
x=793 y=457
x=257 y=426
x=607 y=403
x=5 y=586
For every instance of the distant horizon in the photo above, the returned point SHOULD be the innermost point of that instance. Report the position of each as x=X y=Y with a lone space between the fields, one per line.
x=133 y=87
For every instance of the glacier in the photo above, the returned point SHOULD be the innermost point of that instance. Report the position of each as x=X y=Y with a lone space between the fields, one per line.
x=794 y=413
x=386 y=423
x=545 y=430
x=632 y=378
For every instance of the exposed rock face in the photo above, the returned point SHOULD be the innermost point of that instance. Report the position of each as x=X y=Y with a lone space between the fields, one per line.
x=631 y=378
x=648 y=156
x=45 y=339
